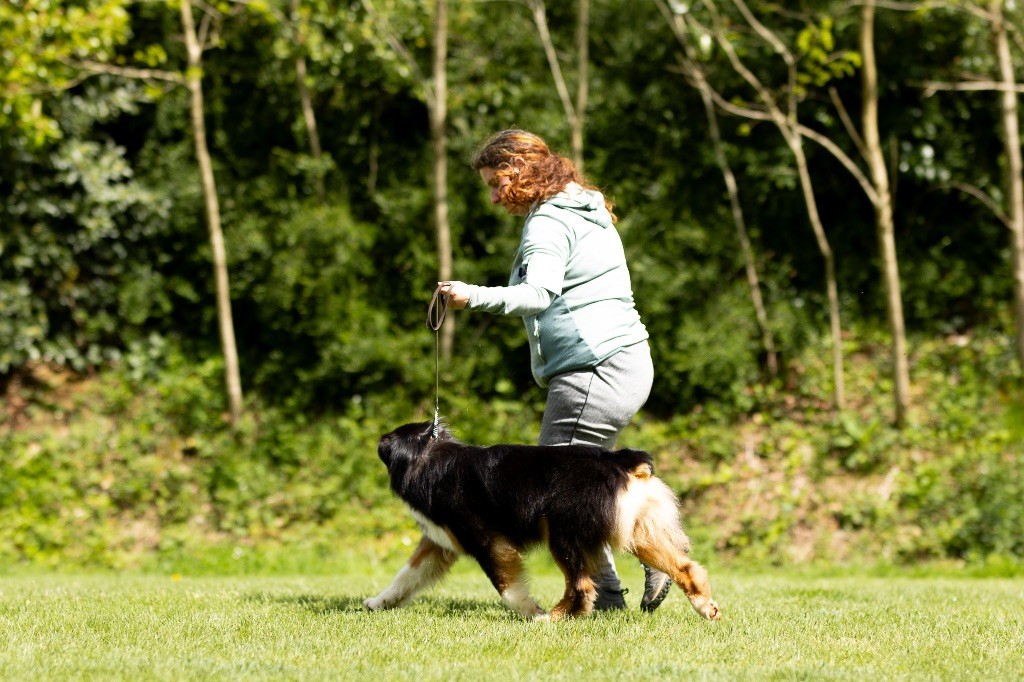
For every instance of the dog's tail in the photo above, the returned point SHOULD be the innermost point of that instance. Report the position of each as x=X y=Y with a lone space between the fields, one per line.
x=647 y=509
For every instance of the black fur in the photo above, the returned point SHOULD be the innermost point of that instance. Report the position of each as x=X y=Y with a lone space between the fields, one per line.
x=513 y=490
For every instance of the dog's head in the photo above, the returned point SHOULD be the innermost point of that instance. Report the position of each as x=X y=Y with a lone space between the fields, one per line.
x=407 y=443
x=402 y=448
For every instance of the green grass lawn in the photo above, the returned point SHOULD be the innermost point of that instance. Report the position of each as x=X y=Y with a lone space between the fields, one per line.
x=778 y=625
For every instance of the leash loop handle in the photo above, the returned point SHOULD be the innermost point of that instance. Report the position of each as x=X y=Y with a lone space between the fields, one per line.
x=436 y=312
x=438 y=308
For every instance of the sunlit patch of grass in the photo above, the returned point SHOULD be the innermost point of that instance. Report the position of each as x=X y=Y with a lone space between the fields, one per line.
x=777 y=625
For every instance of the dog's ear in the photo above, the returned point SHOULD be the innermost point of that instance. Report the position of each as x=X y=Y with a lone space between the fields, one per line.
x=384 y=446
x=405 y=442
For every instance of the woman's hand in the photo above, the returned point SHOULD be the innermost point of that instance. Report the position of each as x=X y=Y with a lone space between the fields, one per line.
x=457 y=293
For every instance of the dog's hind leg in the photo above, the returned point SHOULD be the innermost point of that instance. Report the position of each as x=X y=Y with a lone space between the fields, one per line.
x=688 y=574
x=503 y=564
x=428 y=564
x=580 y=593
x=658 y=540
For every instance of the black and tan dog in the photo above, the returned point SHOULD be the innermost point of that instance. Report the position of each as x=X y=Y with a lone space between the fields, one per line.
x=492 y=503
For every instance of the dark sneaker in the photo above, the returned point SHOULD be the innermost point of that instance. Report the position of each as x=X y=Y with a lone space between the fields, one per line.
x=609 y=599
x=656 y=586
x=606 y=582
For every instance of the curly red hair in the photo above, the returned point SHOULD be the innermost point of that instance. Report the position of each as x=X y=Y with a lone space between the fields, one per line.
x=535 y=173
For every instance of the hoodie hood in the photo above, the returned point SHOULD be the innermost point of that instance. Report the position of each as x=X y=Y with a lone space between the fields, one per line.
x=588 y=204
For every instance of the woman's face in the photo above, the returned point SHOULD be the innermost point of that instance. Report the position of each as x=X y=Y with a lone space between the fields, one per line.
x=497 y=185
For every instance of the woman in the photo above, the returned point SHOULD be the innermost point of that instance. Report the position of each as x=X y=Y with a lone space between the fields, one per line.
x=570 y=284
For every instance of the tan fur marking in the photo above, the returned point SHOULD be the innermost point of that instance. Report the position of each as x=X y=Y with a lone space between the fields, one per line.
x=642 y=471
x=428 y=564
x=508 y=563
x=648 y=526
x=424 y=551
x=578 y=600
x=668 y=552
x=579 y=596
x=510 y=579
x=454 y=541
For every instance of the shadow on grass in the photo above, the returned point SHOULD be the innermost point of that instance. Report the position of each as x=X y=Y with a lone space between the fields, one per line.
x=437 y=605
x=475 y=608
x=316 y=603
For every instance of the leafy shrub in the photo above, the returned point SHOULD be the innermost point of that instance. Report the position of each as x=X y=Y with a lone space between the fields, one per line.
x=316 y=328
x=967 y=502
x=69 y=293
x=139 y=468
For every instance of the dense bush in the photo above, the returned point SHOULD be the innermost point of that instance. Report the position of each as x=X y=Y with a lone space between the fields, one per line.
x=139 y=468
x=79 y=261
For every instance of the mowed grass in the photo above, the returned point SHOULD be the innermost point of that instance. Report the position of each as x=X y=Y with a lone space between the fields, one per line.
x=778 y=625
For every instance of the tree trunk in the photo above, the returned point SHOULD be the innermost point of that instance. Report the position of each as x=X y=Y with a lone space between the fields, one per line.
x=788 y=125
x=438 y=119
x=883 y=213
x=750 y=264
x=582 y=64
x=796 y=145
x=572 y=113
x=1014 y=180
x=227 y=327
x=307 y=101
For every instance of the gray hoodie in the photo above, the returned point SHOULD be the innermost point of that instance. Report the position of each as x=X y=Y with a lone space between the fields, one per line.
x=572 y=256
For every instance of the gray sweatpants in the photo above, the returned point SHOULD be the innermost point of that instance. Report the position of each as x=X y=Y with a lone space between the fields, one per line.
x=592 y=406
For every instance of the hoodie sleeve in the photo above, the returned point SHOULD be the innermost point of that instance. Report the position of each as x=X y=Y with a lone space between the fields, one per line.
x=545 y=247
x=519 y=300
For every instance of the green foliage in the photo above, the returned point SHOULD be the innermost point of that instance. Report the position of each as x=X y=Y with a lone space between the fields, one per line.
x=148 y=466
x=39 y=37
x=77 y=211
x=105 y=263
x=714 y=351
x=139 y=467
x=310 y=280
x=820 y=62
x=861 y=446
x=969 y=502
x=126 y=254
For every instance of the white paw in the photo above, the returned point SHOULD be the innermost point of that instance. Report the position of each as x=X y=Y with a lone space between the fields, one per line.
x=542 y=618
x=710 y=611
x=374 y=604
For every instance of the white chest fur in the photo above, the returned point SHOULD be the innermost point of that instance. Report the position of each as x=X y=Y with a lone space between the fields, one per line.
x=436 y=533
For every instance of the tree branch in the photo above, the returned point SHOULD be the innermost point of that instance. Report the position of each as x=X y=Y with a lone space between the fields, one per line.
x=769 y=37
x=741 y=68
x=931 y=87
x=539 y=12
x=396 y=44
x=984 y=198
x=743 y=111
x=851 y=129
x=903 y=6
x=94 y=67
x=841 y=157
x=811 y=134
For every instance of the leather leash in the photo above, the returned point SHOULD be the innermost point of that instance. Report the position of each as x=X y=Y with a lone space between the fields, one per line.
x=436 y=313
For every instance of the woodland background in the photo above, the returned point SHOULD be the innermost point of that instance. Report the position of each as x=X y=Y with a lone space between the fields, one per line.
x=222 y=222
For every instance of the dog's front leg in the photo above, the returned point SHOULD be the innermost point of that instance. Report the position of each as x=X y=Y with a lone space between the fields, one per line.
x=503 y=564
x=428 y=564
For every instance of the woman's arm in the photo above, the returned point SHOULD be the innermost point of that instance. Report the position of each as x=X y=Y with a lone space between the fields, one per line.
x=518 y=300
